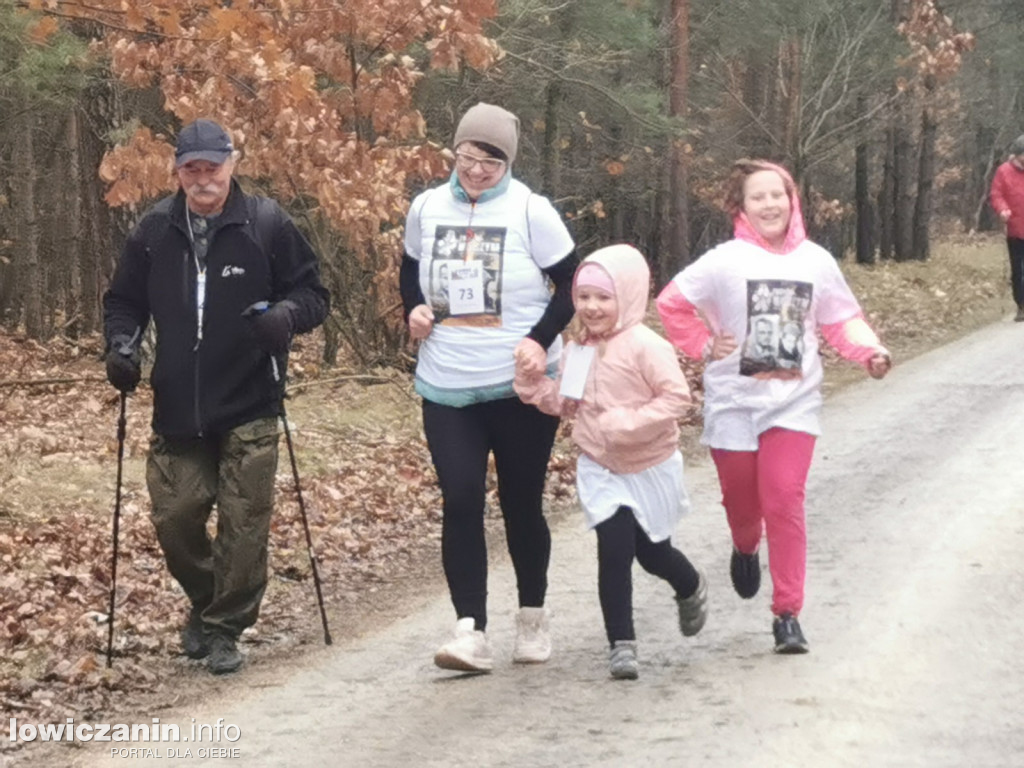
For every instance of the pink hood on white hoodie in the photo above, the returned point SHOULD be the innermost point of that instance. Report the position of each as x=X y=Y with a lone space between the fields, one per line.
x=796 y=233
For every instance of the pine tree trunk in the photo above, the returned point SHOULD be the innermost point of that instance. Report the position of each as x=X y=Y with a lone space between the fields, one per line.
x=862 y=200
x=551 y=154
x=925 y=176
x=887 y=198
x=30 y=278
x=903 y=172
x=790 y=81
x=679 y=239
x=73 y=206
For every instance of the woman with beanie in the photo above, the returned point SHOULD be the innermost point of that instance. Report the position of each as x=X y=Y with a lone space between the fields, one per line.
x=486 y=280
x=760 y=413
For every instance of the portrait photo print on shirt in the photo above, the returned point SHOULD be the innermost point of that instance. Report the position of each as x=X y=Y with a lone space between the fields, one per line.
x=776 y=312
x=465 y=275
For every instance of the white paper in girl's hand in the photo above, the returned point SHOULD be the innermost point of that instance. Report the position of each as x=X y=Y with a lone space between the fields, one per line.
x=574 y=374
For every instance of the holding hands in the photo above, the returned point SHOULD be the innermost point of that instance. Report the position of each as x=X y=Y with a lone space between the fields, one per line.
x=531 y=359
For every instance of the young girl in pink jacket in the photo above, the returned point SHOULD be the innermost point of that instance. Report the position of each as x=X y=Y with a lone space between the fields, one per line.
x=762 y=297
x=622 y=383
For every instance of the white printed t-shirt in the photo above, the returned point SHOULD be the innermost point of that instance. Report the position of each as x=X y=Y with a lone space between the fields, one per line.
x=480 y=272
x=773 y=304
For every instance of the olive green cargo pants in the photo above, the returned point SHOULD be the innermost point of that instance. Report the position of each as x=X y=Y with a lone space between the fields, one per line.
x=225 y=577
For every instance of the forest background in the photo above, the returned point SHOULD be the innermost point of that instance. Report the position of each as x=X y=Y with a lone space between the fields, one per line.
x=891 y=114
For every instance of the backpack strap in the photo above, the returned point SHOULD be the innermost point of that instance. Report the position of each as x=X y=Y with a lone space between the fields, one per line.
x=264 y=218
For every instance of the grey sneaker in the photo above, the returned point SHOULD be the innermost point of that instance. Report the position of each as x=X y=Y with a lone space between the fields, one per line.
x=194 y=640
x=224 y=655
x=693 y=610
x=622 y=660
x=788 y=637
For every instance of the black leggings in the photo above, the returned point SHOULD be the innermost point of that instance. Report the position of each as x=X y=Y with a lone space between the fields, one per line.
x=619 y=540
x=460 y=440
x=1016 y=248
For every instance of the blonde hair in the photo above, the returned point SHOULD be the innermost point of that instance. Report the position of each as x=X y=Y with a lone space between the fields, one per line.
x=577 y=331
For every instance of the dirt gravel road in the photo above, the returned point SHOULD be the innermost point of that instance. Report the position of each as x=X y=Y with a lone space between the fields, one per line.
x=913 y=614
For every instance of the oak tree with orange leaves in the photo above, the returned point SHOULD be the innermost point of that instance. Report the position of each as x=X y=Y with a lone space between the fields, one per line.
x=318 y=97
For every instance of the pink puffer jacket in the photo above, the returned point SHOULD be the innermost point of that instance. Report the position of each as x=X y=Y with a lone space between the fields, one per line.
x=635 y=391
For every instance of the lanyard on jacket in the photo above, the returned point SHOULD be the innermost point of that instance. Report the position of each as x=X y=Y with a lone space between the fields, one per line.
x=200 y=280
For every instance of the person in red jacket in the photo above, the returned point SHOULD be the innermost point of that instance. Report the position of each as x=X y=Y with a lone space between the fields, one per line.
x=1007 y=198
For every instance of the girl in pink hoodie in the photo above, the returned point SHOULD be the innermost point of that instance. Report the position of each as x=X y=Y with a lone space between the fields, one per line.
x=623 y=384
x=752 y=308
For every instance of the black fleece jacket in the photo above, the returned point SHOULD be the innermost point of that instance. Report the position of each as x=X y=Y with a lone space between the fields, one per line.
x=256 y=253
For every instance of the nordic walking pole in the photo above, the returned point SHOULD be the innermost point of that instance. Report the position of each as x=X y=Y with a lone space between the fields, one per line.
x=121 y=424
x=302 y=507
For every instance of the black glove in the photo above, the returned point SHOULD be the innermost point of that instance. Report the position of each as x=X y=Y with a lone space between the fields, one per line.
x=123 y=364
x=272 y=326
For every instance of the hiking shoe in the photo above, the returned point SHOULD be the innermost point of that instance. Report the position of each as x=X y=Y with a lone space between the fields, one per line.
x=788 y=637
x=468 y=651
x=622 y=660
x=745 y=571
x=194 y=641
x=693 y=610
x=224 y=654
x=533 y=636
x=1020 y=315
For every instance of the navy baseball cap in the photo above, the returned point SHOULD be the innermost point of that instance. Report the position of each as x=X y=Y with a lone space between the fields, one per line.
x=203 y=140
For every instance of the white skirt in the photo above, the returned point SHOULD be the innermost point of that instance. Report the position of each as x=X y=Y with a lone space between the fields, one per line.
x=656 y=495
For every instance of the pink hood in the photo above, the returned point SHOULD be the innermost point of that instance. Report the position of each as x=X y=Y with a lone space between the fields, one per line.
x=795 y=233
x=632 y=278
x=635 y=391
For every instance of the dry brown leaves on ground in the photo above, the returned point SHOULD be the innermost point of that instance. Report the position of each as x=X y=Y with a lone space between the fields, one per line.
x=370 y=496
x=370 y=493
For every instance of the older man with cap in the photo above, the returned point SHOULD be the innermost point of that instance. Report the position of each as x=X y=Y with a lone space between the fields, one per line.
x=509 y=264
x=1007 y=199
x=227 y=279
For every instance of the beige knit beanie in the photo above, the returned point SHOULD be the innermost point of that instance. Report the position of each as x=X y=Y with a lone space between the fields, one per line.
x=491 y=125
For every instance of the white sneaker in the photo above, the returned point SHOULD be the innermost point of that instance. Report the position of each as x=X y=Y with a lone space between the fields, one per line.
x=468 y=651
x=533 y=636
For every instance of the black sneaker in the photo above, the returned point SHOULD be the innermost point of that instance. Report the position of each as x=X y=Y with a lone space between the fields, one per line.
x=1020 y=315
x=788 y=637
x=745 y=571
x=194 y=640
x=224 y=654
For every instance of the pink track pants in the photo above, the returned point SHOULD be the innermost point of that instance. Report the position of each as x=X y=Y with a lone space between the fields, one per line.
x=765 y=490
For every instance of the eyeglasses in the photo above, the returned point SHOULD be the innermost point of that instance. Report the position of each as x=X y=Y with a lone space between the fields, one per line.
x=466 y=162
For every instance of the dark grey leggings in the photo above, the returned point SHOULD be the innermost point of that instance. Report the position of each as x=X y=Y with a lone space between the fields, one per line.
x=1016 y=248
x=619 y=540
x=460 y=440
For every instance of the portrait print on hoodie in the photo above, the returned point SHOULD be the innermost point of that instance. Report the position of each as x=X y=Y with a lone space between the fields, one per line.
x=776 y=315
